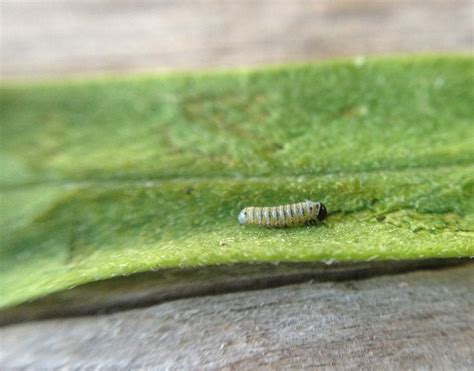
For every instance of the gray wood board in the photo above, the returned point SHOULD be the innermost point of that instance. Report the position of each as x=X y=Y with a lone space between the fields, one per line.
x=47 y=38
x=413 y=320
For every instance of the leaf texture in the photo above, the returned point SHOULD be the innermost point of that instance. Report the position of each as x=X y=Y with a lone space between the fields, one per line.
x=112 y=176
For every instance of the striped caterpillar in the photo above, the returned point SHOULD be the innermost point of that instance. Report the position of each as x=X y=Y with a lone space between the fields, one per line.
x=299 y=213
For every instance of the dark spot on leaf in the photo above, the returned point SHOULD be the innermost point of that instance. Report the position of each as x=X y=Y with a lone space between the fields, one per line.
x=188 y=190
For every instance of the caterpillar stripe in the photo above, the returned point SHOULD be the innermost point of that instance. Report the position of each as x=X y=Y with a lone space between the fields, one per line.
x=284 y=215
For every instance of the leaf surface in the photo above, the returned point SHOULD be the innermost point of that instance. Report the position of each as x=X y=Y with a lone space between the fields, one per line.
x=113 y=176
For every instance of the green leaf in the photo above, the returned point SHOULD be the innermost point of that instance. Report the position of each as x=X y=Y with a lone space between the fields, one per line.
x=112 y=176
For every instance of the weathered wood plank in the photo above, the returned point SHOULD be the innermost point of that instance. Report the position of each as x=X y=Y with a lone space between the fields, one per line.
x=422 y=319
x=42 y=38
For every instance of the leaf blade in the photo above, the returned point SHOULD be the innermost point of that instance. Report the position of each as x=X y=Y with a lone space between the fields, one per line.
x=114 y=177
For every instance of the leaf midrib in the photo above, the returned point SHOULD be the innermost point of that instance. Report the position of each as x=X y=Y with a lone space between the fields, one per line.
x=155 y=180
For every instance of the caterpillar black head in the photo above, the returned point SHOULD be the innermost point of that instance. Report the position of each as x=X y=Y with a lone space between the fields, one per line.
x=322 y=212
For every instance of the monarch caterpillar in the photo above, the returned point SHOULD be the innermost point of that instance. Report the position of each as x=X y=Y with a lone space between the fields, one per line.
x=284 y=215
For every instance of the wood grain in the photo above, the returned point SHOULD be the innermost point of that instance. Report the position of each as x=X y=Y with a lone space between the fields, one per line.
x=47 y=38
x=414 y=320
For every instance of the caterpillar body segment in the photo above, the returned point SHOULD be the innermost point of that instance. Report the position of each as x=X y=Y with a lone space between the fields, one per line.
x=296 y=214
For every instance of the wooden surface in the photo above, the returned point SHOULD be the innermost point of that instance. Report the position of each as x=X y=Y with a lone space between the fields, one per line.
x=47 y=38
x=414 y=320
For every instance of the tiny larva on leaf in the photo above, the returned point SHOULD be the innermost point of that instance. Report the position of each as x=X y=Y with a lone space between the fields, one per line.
x=296 y=214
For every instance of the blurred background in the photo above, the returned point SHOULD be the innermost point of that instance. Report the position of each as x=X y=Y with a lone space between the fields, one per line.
x=42 y=39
